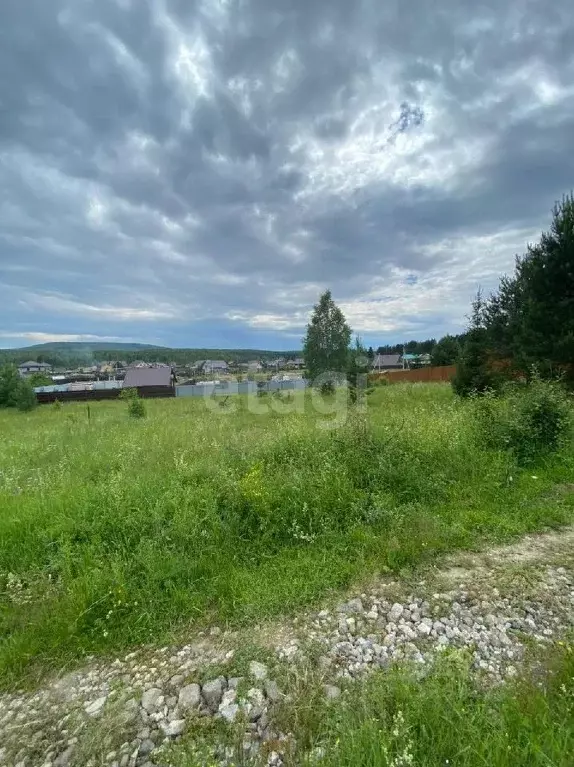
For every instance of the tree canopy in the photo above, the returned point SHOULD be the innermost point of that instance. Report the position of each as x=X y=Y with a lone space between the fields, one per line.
x=326 y=344
x=446 y=351
x=530 y=319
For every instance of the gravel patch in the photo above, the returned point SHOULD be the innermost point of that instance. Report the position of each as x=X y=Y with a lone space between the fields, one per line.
x=148 y=699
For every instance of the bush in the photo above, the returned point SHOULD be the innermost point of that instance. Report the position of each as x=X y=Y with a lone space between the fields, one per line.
x=136 y=406
x=530 y=420
x=15 y=391
x=24 y=397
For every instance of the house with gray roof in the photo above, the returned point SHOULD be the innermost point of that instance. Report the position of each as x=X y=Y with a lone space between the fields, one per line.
x=27 y=368
x=387 y=362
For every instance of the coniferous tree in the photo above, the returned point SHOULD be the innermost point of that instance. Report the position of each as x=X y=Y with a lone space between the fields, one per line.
x=530 y=319
x=326 y=344
x=473 y=373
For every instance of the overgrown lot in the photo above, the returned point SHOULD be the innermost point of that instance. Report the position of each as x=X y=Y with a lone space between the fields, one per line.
x=116 y=531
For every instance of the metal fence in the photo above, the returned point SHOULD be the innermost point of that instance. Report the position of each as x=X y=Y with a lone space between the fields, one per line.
x=227 y=388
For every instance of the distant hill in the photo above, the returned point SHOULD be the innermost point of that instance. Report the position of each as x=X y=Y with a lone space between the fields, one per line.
x=71 y=354
x=83 y=346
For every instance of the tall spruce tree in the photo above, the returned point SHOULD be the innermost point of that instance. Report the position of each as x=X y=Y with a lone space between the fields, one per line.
x=326 y=344
x=473 y=374
x=530 y=319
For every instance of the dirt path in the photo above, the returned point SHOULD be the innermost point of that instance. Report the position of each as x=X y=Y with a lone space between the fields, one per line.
x=124 y=713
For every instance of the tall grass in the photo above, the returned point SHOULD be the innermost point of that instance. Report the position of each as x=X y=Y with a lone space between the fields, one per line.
x=116 y=531
x=397 y=720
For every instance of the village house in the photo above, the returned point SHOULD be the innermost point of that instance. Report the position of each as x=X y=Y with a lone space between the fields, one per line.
x=27 y=368
x=296 y=364
x=387 y=362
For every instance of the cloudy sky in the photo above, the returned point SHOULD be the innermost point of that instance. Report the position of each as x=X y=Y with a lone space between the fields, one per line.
x=196 y=172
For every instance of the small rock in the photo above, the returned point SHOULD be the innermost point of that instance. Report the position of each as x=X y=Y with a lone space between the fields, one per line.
x=395 y=612
x=146 y=747
x=234 y=682
x=212 y=693
x=152 y=699
x=256 y=696
x=229 y=712
x=175 y=728
x=95 y=707
x=424 y=628
x=189 y=697
x=352 y=606
x=272 y=691
x=229 y=708
x=258 y=671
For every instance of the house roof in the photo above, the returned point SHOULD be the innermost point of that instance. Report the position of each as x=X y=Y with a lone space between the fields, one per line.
x=387 y=361
x=215 y=364
x=34 y=364
x=147 y=377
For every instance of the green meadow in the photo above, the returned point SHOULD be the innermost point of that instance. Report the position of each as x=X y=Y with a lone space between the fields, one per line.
x=116 y=531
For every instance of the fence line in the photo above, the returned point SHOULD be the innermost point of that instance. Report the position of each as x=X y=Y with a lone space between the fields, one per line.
x=419 y=375
x=227 y=388
x=95 y=395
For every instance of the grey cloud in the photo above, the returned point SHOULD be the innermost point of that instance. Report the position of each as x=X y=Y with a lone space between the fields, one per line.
x=306 y=156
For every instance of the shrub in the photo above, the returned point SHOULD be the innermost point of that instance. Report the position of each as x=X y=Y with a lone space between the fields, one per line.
x=15 y=391
x=40 y=379
x=24 y=397
x=530 y=420
x=9 y=382
x=136 y=406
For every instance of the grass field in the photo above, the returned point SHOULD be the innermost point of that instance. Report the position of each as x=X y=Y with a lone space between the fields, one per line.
x=116 y=531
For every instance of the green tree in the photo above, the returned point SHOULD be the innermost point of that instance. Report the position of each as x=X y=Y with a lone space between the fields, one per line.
x=25 y=397
x=39 y=379
x=371 y=354
x=9 y=383
x=358 y=372
x=326 y=344
x=446 y=351
x=530 y=319
x=473 y=373
x=15 y=391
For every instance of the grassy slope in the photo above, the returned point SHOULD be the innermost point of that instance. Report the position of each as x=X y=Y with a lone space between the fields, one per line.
x=118 y=531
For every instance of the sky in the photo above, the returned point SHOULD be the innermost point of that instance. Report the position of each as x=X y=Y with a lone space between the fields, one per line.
x=196 y=172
